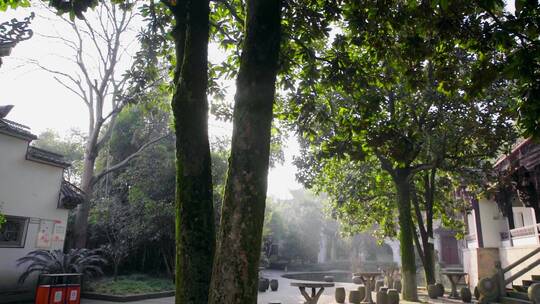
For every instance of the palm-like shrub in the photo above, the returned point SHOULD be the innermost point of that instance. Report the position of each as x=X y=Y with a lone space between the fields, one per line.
x=85 y=261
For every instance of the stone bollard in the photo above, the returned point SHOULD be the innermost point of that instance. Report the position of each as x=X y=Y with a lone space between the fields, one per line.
x=354 y=297
x=397 y=286
x=393 y=296
x=433 y=291
x=263 y=285
x=440 y=288
x=361 y=292
x=465 y=294
x=534 y=293
x=340 y=294
x=378 y=285
x=274 y=284
x=382 y=297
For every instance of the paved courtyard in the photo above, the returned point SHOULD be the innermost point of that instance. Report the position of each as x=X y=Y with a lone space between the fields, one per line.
x=286 y=294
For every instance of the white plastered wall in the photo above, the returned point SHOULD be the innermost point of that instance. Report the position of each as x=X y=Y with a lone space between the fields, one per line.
x=27 y=189
x=492 y=222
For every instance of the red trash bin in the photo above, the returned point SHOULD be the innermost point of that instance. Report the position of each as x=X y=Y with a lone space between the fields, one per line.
x=63 y=288
x=73 y=289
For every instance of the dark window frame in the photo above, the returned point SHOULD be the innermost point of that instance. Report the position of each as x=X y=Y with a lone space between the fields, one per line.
x=22 y=241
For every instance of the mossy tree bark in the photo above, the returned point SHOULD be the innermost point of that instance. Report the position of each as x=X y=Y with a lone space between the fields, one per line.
x=236 y=263
x=402 y=178
x=195 y=235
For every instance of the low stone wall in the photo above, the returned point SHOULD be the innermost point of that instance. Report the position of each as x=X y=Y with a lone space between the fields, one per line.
x=339 y=276
x=127 y=298
x=479 y=263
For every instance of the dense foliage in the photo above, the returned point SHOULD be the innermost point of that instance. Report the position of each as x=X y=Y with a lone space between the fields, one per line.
x=385 y=100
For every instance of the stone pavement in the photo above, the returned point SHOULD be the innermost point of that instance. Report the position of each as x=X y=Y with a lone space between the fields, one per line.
x=286 y=294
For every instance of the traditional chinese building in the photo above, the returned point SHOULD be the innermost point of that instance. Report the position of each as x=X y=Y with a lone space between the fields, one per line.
x=34 y=199
x=503 y=225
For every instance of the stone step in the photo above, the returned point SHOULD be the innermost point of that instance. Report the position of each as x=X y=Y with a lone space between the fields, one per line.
x=519 y=288
x=527 y=283
x=518 y=295
x=511 y=300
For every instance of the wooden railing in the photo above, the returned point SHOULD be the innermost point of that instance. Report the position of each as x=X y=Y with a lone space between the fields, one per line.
x=530 y=233
x=493 y=288
x=524 y=231
x=519 y=262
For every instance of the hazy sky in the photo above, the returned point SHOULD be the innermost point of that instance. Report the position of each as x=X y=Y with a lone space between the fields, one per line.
x=42 y=103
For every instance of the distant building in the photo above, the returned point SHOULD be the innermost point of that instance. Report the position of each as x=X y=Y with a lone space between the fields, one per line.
x=364 y=251
x=504 y=226
x=34 y=198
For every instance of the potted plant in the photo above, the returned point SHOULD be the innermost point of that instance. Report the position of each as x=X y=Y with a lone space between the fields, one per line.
x=84 y=261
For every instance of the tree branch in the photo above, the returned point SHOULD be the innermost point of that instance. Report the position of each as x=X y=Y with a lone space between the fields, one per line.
x=126 y=160
x=418 y=213
x=70 y=88
x=421 y=167
x=501 y=24
x=385 y=164
x=231 y=9
x=419 y=247
x=77 y=83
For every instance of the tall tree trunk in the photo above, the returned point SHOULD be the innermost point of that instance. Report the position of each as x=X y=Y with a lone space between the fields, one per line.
x=424 y=244
x=234 y=279
x=115 y=271
x=429 y=266
x=80 y=226
x=408 y=264
x=429 y=247
x=195 y=235
x=166 y=263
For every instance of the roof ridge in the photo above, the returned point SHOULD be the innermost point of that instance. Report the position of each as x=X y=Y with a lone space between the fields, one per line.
x=15 y=123
x=15 y=129
x=46 y=151
x=41 y=155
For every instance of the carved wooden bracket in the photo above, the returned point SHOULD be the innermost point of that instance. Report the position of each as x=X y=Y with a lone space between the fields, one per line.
x=13 y=32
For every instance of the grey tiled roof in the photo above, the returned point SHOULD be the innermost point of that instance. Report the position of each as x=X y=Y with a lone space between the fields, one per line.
x=70 y=195
x=41 y=155
x=14 y=129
